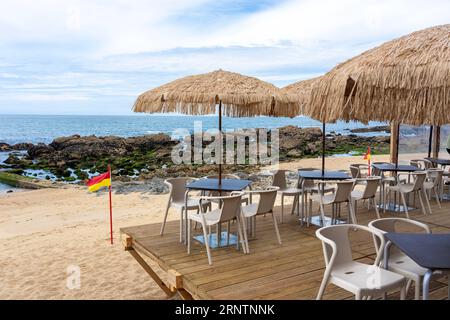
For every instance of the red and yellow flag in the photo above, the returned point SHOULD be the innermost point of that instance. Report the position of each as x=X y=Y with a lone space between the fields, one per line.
x=367 y=155
x=102 y=180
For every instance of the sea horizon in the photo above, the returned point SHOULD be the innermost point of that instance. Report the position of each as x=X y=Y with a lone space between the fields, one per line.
x=44 y=128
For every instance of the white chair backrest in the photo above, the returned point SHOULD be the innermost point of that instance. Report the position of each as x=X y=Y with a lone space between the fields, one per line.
x=372 y=184
x=267 y=199
x=336 y=242
x=343 y=190
x=230 y=206
x=279 y=179
x=435 y=175
x=357 y=170
x=423 y=164
x=307 y=183
x=177 y=187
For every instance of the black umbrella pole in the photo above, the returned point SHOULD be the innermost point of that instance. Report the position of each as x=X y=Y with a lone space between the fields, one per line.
x=397 y=144
x=323 y=148
x=430 y=141
x=220 y=142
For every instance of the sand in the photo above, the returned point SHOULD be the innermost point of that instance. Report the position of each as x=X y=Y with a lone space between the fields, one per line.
x=45 y=232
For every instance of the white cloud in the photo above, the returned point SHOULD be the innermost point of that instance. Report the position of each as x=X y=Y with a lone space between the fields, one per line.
x=84 y=50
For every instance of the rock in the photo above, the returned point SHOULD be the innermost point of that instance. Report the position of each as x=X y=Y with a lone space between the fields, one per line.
x=386 y=129
x=5 y=147
x=12 y=159
x=9 y=191
x=21 y=146
x=39 y=150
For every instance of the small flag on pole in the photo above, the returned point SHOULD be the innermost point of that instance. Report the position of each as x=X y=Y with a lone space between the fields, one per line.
x=103 y=180
x=367 y=156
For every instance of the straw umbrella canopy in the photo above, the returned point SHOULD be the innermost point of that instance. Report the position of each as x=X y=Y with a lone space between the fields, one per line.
x=406 y=80
x=236 y=95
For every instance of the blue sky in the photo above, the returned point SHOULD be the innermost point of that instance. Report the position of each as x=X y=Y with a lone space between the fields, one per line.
x=95 y=57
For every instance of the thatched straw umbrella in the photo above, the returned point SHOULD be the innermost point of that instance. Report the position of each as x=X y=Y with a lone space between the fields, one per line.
x=236 y=95
x=406 y=80
x=301 y=90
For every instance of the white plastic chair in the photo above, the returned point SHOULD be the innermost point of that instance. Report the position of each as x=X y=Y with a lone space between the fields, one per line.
x=433 y=183
x=415 y=187
x=422 y=164
x=398 y=261
x=264 y=206
x=229 y=211
x=369 y=193
x=342 y=195
x=279 y=180
x=177 y=190
x=363 y=280
x=359 y=170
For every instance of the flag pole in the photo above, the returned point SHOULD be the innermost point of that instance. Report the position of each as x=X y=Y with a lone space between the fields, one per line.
x=110 y=206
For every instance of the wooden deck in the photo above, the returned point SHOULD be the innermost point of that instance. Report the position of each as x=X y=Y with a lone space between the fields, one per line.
x=293 y=270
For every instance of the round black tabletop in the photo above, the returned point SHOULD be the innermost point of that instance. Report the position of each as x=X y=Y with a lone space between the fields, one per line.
x=440 y=161
x=395 y=168
x=326 y=175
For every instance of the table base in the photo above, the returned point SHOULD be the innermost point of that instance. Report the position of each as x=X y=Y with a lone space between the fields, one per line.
x=213 y=243
x=445 y=196
x=317 y=221
x=394 y=207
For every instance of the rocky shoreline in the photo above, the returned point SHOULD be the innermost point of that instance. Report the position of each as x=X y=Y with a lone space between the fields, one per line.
x=148 y=158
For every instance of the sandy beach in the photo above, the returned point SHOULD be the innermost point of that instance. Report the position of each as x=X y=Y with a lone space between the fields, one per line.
x=45 y=232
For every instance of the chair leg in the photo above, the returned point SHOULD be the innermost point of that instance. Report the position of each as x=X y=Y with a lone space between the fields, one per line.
x=358 y=296
x=417 y=290
x=294 y=204
x=352 y=211
x=322 y=214
x=189 y=222
x=244 y=236
x=422 y=206
x=405 y=204
x=437 y=198
x=205 y=235
x=165 y=218
x=376 y=207
x=308 y=219
x=241 y=233
x=282 y=208
x=275 y=224
x=403 y=293
x=323 y=286
x=427 y=201
x=228 y=233
x=181 y=225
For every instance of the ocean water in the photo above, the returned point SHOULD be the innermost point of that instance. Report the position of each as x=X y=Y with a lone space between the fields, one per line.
x=44 y=128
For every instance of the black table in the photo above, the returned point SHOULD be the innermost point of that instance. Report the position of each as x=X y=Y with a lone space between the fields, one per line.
x=390 y=167
x=439 y=161
x=430 y=251
x=319 y=175
x=227 y=185
x=326 y=175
